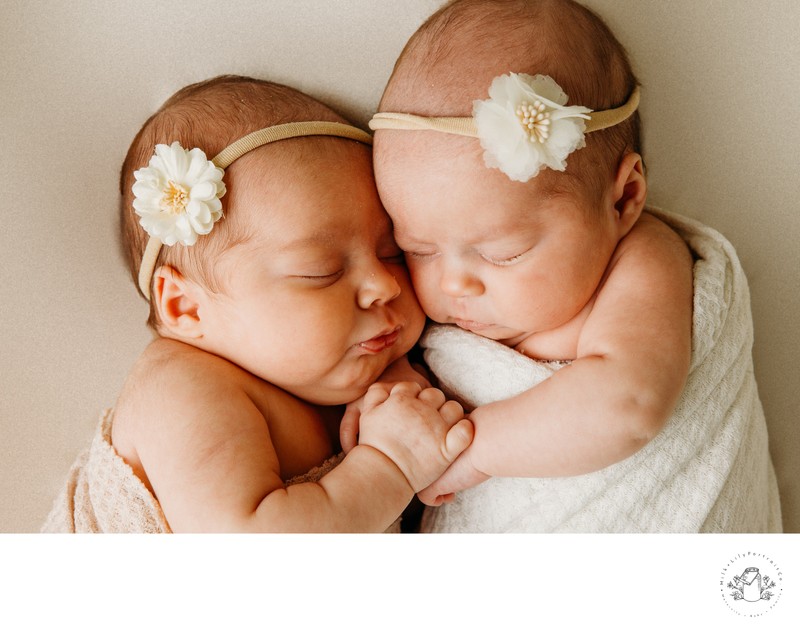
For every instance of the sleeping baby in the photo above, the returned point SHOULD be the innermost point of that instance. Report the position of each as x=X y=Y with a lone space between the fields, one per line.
x=597 y=342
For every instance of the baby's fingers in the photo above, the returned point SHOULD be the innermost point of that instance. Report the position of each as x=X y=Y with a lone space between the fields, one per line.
x=451 y=411
x=348 y=429
x=375 y=395
x=432 y=396
x=458 y=439
x=430 y=497
x=410 y=388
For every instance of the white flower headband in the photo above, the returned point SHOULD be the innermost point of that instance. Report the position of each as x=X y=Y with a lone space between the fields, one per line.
x=523 y=126
x=177 y=196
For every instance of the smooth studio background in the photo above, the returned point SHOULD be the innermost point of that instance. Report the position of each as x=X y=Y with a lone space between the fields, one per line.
x=721 y=88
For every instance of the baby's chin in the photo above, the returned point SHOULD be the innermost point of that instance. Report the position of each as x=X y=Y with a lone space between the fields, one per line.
x=492 y=331
x=333 y=396
x=346 y=390
x=350 y=387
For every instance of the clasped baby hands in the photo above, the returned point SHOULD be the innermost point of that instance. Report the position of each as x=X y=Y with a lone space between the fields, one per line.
x=419 y=429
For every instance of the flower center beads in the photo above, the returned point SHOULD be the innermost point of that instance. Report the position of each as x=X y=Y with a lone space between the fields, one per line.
x=175 y=199
x=535 y=120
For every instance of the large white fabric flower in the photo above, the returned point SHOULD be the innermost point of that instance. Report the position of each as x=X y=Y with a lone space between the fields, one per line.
x=177 y=196
x=524 y=125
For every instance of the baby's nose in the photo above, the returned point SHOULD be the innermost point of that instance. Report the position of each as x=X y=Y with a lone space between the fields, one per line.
x=459 y=282
x=379 y=287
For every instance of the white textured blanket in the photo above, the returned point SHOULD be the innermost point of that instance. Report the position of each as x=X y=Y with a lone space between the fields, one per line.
x=708 y=470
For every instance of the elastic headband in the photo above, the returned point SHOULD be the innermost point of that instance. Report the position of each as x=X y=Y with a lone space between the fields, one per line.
x=177 y=194
x=465 y=125
x=523 y=127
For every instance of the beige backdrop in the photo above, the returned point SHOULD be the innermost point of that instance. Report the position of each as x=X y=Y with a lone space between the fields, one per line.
x=721 y=93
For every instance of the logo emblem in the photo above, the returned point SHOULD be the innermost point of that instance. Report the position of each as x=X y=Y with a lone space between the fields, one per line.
x=751 y=584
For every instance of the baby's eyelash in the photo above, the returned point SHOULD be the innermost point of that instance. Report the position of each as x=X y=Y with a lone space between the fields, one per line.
x=321 y=277
x=420 y=255
x=503 y=262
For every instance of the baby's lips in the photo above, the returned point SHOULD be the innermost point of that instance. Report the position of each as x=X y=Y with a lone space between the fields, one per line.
x=379 y=343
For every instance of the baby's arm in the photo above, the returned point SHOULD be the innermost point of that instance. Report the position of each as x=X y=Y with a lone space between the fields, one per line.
x=212 y=464
x=632 y=362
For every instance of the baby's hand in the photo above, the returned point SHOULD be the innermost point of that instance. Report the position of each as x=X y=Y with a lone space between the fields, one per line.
x=419 y=429
x=399 y=371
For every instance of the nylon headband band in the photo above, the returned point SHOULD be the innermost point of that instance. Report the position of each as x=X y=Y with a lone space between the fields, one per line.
x=465 y=125
x=282 y=132
x=239 y=148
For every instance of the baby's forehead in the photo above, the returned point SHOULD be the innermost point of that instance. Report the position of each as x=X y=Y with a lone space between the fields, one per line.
x=297 y=190
x=424 y=150
x=409 y=160
x=296 y=165
x=460 y=217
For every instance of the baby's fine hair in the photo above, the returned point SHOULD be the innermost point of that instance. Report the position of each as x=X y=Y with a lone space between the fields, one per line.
x=209 y=115
x=451 y=59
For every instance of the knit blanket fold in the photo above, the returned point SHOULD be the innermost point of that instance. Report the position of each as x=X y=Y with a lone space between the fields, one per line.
x=708 y=470
x=102 y=494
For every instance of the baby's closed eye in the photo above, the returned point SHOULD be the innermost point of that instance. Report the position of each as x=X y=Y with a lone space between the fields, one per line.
x=421 y=254
x=321 y=278
x=504 y=259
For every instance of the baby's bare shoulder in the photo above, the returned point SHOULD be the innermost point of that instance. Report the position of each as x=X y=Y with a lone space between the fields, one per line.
x=174 y=383
x=651 y=260
x=653 y=238
x=651 y=257
x=167 y=367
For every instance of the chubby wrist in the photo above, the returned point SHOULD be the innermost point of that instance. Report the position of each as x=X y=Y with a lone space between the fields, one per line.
x=480 y=457
x=375 y=460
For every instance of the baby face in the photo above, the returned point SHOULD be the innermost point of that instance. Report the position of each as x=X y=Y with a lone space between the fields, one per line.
x=500 y=258
x=317 y=300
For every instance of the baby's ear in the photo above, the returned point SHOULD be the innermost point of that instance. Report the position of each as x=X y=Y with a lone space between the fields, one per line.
x=176 y=301
x=629 y=191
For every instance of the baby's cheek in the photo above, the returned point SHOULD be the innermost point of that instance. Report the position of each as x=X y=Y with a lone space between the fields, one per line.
x=425 y=285
x=432 y=306
x=417 y=323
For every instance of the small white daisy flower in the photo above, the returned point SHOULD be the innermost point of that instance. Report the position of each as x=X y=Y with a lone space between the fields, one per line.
x=177 y=196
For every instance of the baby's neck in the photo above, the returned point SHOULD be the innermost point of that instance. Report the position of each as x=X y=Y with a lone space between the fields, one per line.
x=557 y=344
